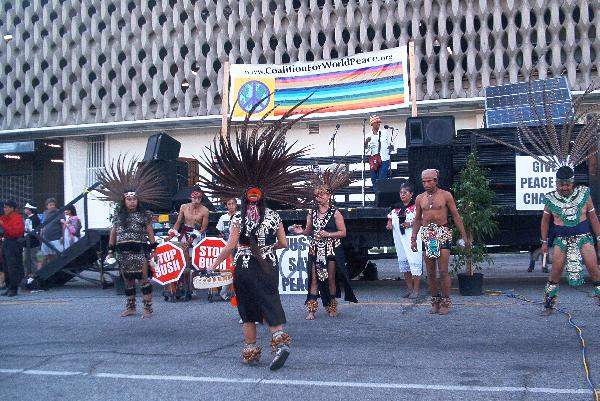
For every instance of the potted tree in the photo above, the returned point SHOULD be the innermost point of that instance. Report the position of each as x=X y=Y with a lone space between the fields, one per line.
x=474 y=203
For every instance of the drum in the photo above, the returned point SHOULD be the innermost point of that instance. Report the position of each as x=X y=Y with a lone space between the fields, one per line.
x=215 y=279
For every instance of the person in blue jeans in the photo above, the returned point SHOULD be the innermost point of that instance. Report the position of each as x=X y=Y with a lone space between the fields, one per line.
x=379 y=143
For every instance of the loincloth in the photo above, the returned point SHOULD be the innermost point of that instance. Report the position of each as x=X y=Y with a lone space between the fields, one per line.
x=570 y=240
x=435 y=238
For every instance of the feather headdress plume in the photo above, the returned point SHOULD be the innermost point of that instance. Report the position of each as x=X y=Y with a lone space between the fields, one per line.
x=334 y=178
x=559 y=148
x=258 y=156
x=141 y=180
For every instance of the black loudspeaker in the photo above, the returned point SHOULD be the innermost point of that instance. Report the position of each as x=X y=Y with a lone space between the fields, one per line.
x=173 y=175
x=388 y=191
x=430 y=131
x=425 y=157
x=162 y=147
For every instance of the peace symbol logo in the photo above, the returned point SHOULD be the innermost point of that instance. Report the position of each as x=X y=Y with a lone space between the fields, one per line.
x=252 y=93
x=287 y=271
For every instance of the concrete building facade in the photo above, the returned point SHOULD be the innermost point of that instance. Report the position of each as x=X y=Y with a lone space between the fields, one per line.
x=103 y=75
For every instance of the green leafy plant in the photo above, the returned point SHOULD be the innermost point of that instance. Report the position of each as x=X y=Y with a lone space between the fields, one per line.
x=474 y=199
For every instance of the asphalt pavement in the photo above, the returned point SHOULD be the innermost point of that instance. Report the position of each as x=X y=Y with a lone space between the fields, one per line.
x=69 y=343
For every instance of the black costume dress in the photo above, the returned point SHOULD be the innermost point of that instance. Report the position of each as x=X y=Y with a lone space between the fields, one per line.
x=400 y=209
x=257 y=284
x=320 y=252
x=132 y=242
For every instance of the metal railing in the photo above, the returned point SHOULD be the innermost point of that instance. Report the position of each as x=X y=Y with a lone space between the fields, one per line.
x=356 y=165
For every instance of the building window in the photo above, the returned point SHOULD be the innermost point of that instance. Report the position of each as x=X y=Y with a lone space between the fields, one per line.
x=95 y=157
x=17 y=187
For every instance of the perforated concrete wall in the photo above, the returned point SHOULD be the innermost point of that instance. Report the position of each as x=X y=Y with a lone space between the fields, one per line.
x=84 y=61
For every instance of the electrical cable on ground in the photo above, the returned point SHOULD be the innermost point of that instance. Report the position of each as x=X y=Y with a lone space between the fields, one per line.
x=586 y=364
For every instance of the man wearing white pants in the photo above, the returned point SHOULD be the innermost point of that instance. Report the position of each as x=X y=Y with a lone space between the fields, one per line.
x=400 y=222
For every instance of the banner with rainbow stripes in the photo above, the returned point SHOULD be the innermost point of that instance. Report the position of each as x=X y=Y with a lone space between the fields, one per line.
x=359 y=84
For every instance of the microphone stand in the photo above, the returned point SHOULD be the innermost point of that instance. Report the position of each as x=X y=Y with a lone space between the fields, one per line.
x=364 y=125
x=393 y=134
x=332 y=141
x=392 y=141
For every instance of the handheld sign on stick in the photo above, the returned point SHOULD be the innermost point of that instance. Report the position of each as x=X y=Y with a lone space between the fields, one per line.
x=203 y=256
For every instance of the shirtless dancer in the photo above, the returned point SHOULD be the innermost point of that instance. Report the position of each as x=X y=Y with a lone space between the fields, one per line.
x=193 y=216
x=432 y=208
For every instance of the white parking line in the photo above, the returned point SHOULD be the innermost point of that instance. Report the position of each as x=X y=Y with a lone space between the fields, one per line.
x=52 y=373
x=203 y=379
x=305 y=383
x=11 y=371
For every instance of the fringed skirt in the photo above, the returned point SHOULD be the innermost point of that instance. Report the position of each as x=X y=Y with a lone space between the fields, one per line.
x=342 y=279
x=257 y=292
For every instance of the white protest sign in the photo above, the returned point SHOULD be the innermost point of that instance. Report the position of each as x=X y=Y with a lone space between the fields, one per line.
x=293 y=264
x=533 y=181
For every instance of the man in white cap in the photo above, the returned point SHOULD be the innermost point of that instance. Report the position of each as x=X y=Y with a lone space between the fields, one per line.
x=32 y=221
x=378 y=146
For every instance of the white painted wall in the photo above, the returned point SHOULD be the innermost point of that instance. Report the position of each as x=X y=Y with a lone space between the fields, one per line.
x=75 y=158
x=349 y=141
x=75 y=177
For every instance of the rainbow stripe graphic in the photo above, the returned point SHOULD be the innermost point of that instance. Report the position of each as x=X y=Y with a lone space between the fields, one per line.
x=358 y=84
x=343 y=91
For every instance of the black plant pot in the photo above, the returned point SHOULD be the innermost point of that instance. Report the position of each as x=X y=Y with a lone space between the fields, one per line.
x=470 y=285
x=370 y=272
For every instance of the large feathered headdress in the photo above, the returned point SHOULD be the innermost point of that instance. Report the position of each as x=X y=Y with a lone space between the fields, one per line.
x=559 y=148
x=334 y=178
x=141 y=180
x=258 y=156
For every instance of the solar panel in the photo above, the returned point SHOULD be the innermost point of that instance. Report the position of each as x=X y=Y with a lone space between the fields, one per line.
x=510 y=105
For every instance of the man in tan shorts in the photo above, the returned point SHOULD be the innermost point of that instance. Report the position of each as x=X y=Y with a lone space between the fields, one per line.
x=432 y=209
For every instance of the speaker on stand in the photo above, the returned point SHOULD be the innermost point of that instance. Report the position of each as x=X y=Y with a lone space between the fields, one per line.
x=429 y=142
x=162 y=152
x=430 y=131
x=173 y=175
x=162 y=147
x=388 y=191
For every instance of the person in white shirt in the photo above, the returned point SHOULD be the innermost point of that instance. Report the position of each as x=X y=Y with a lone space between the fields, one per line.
x=378 y=143
x=225 y=220
x=223 y=224
x=32 y=221
x=400 y=223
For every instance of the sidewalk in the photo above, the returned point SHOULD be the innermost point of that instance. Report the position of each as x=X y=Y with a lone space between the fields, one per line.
x=506 y=268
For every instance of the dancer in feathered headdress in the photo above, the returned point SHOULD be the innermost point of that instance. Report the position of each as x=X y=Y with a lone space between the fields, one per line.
x=326 y=261
x=131 y=185
x=256 y=166
x=570 y=207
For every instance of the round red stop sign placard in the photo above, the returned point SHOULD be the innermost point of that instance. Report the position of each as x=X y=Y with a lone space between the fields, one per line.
x=206 y=251
x=169 y=263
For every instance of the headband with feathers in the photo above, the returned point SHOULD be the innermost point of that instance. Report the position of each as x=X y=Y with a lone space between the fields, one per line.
x=257 y=157
x=555 y=147
x=142 y=180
